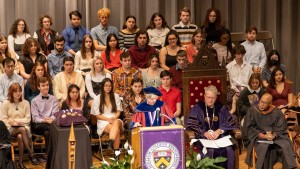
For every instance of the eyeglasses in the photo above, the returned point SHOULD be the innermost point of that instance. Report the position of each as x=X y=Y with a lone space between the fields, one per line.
x=22 y=25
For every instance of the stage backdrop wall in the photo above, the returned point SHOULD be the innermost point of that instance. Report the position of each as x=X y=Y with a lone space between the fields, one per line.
x=282 y=18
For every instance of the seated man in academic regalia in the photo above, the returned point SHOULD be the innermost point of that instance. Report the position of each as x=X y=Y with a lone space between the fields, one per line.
x=209 y=119
x=152 y=112
x=265 y=129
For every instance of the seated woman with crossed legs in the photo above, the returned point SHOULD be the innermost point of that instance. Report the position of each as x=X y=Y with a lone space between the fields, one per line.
x=107 y=108
x=16 y=116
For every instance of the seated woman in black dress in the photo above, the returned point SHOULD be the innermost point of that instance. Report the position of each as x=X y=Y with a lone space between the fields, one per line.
x=31 y=87
x=31 y=54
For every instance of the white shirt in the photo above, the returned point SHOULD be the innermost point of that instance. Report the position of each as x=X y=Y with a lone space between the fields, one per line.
x=255 y=53
x=238 y=75
x=98 y=78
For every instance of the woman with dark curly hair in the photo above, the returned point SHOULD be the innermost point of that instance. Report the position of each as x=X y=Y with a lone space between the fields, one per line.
x=211 y=25
x=31 y=87
x=31 y=54
x=18 y=33
x=45 y=35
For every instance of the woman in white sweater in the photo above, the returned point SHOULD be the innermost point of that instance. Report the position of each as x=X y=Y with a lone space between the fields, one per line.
x=18 y=34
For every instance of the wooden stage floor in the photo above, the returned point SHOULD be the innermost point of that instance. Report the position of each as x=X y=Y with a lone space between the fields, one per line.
x=242 y=164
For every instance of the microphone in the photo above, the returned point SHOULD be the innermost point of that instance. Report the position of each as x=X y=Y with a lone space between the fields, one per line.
x=157 y=115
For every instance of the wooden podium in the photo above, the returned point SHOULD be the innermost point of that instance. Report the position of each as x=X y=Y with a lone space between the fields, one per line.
x=159 y=147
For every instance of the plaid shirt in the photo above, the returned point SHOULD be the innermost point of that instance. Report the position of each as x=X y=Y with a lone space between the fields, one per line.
x=122 y=80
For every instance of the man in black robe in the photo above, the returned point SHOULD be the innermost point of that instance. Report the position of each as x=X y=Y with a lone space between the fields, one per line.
x=266 y=123
x=209 y=119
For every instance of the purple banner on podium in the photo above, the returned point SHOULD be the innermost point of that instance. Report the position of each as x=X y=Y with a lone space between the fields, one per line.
x=162 y=147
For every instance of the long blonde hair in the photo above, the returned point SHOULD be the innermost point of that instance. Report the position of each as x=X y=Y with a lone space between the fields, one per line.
x=92 y=72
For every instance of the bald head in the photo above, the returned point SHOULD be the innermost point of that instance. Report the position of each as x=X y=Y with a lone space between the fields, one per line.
x=265 y=102
x=268 y=97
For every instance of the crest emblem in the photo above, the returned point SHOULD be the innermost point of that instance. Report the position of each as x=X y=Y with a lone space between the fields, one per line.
x=162 y=155
x=204 y=60
x=162 y=158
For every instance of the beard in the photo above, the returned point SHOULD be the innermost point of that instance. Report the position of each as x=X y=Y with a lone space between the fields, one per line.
x=59 y=50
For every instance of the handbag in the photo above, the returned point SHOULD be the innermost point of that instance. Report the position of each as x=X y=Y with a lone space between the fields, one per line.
x=66 y=117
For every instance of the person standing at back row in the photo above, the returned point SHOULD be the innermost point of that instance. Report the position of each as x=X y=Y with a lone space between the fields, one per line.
x=45 y=35
x=255 y=51
x=184 y=28
x=101 y=31
x=74 y=33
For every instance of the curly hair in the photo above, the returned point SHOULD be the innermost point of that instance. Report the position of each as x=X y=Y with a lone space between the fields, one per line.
x=14 y=27
x=42 y=18
x=152 y=25
x=218 y=22
x=33 y=77
x=14 y=87
x=28 y=44
x=103 y=11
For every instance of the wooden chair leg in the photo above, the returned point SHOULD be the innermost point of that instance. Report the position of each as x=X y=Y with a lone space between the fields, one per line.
x=12 y=153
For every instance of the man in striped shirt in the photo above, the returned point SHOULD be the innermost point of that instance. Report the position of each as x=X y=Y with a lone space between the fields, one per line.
x=184 y=28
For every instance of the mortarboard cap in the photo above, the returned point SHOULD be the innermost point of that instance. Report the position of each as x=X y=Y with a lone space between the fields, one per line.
x=152 y=90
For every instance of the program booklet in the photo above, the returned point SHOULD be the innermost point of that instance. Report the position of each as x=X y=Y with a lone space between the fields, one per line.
x=4 y=145
x=266 y=141
x=218 y=143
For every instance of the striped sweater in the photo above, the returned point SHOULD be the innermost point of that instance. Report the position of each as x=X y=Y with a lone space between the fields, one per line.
x=126 y=40
x=185 y=32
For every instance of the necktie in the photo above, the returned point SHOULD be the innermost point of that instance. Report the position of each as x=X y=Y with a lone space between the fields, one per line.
x=76 y=45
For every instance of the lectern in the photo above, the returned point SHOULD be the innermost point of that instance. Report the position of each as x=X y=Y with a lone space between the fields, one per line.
x=159 y=147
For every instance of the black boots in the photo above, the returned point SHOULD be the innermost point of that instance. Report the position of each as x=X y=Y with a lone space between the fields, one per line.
x=110 y=147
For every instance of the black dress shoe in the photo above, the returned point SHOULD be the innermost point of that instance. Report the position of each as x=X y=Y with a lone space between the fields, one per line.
x=34 y=161
x=21 y=166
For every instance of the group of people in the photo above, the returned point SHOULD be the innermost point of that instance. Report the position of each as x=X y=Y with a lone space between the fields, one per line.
x=132 y=72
